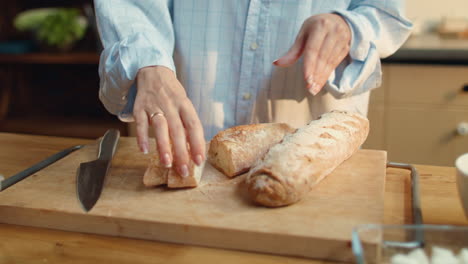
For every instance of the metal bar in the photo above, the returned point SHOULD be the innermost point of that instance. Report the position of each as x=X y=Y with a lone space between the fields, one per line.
x=418 y=234
x=36 y=167
x=415 y=199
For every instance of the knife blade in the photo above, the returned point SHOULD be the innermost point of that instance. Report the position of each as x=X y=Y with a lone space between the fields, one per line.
x=4 y=184
x=90 y=175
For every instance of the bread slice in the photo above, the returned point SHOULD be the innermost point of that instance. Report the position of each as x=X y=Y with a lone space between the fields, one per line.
x=156 y=174
x=291 y=168
x=174 y=180
x=234 y=150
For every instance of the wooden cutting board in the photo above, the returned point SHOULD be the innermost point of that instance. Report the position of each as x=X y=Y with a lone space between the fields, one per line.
x=215 y=214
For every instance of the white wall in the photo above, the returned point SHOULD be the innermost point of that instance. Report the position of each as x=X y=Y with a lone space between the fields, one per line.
x=428 y=12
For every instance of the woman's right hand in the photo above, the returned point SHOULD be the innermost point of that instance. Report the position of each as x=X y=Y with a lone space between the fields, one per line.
x=162 y=103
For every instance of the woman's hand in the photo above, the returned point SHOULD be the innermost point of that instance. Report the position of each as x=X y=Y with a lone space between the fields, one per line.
x=324 y=41
x=162 y=103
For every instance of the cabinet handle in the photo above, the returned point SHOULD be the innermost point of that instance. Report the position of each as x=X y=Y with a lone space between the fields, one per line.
x=464 y=89
x=462 y=129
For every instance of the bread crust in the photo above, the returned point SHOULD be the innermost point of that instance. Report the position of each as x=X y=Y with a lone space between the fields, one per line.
x=157 y=174
x=234 y=150
x=291 y=168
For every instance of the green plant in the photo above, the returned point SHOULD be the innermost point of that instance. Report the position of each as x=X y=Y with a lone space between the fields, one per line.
x=55 y=27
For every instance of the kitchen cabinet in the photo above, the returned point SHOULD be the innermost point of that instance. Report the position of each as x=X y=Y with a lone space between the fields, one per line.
x=53 y=94
x=376 y=115
x=415 y=114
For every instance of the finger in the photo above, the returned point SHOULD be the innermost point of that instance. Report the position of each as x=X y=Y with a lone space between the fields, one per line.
x=338 y=53
x=294 y=53
x=141 y=120
x=179 y=142
x=311 y=52
x=161 y=132
x=323 y=59
x=194 y=130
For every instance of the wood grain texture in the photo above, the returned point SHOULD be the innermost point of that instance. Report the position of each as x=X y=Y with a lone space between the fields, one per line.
x=415 y=119
x=19 y=152
x=440 y=203
x=214 y=214
x=20 y=244
x=441 y=85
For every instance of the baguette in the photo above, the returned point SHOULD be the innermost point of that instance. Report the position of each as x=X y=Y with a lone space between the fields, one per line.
x=234 y=150
x=174 y=180
x=156 y=174
x=290 y=169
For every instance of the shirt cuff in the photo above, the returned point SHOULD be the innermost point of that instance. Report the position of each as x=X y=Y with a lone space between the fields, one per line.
x=361 y=70
x=119 y=66
x=138 y=51
x=360 y=41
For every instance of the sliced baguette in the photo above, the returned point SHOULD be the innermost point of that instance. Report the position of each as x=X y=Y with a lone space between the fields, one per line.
x=291 y=168
x=174 y=180
x=234 y=150
x=156 y=174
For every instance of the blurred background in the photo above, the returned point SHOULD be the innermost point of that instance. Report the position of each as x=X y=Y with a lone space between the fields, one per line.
x=49 y=55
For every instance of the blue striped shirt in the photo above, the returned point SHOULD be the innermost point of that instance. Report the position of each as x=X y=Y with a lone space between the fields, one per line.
x=222 y=52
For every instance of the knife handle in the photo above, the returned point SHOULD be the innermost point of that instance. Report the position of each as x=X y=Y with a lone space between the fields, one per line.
x=108 y=144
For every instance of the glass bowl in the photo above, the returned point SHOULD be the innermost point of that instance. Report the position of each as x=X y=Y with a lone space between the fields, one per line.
x=379 y=243
x=462 y=180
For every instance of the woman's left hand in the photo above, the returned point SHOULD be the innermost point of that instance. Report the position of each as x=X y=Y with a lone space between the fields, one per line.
x=324 y=40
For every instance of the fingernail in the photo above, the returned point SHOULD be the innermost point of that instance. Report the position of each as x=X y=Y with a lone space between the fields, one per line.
x=167 y=160
x=275 y=62
x=310 y=81
x=315 y=89
x=198 y=160
x=144 y=148
x=184 y=171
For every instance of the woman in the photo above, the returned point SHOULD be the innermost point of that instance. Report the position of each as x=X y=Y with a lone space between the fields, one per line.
x=229 y=70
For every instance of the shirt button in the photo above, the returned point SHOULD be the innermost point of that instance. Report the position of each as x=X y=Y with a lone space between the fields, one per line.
x=253 y=46
x=246 y=96
x=124 y=98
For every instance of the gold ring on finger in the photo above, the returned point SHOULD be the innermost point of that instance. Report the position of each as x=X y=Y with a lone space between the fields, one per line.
x=156 y=114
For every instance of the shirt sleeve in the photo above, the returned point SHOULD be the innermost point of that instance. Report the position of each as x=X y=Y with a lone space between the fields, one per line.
x=378 y=29
x=134 y=34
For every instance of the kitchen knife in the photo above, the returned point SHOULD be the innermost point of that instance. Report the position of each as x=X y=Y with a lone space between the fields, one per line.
x=90 y=175
x=4 y=184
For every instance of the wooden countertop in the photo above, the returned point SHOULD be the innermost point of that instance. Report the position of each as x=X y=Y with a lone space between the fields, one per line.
x=431 y=48
x=18 y=244
x=435 y=42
